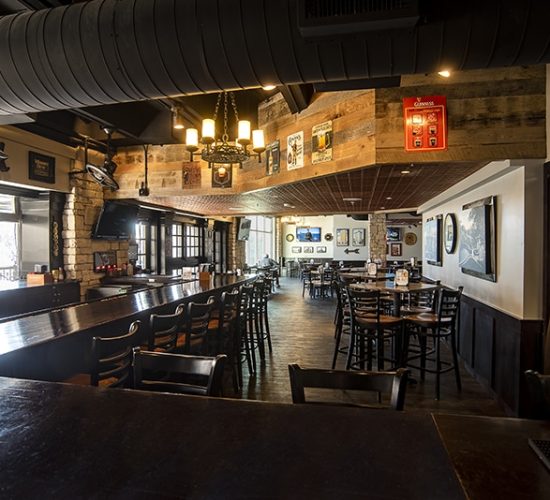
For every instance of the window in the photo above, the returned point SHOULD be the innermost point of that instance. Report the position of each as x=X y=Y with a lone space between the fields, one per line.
x=141 y=241
x=260 y=241
x=10 y=238
x=177 y=240
x=192 y=241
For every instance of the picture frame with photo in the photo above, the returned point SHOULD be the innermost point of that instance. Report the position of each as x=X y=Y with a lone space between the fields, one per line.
x=41 y=167
x=296 y=249
x=477 y=249
x=321 y=249
x=396 y=249
x=393 y=234
x=358 y=236
x=342 y=237
x=432 y=240
x=309 y=250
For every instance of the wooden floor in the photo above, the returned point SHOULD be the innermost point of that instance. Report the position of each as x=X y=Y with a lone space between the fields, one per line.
x=303 y=332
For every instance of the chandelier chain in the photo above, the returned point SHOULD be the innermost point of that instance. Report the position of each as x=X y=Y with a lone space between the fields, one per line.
x=225 y=136
x=217 y=108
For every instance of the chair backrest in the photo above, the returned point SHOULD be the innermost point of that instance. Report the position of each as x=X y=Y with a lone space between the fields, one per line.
x=196 y=319
x=394 y=383
x=200 y=375
x=363 y=301
x=448 y=304
x=538 y=387
x=112 y=358
x=164 y=329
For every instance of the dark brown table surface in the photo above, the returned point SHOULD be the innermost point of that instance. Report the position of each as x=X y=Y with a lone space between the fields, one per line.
x=492 y=458
x=64 y=441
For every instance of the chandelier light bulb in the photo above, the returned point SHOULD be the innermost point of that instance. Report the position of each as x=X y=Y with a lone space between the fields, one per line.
x=192 y=139
x=244 y=132
x=222 y=171
x=258 y=141
x=208 y=131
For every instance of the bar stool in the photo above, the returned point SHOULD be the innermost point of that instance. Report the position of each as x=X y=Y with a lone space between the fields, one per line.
x=342 y=321
x=436 y=326
x=260 y=312
x=164 y=330
x=194 y=332
x=369 y=326
x=246 y=328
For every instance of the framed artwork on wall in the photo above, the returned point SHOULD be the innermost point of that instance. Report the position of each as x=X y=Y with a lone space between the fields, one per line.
x=393 y=234
x=358 y=237
x=477 y=251
x=321 y=249
x=396 y=250
x=342 y=237
x=432 y=240
x=41 y=167
x=296 y=249
x=308 y=249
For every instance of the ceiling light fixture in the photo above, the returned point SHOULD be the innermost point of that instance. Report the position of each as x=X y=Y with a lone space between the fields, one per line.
x=220 y=150
x=444 y=73
x=288 y=205
x=269 y=87
x=388 y=197
x=351 y=200
x=405 y=171
x=177 y=119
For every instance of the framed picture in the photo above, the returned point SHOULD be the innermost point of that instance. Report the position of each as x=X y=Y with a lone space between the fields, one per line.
x=295 y=151
x=396 y=250
x=273 y=158
x=321 y=249
x=449 y=233
x=358 y=237
x=477 y=250
x=393 y=234
x=41 y=167
x=308 y=249
x=342 y=237
x=432 y=241
x=321 y=142
x=296 y=249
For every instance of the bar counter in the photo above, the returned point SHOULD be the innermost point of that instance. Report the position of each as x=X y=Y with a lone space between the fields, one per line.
x=55 y=345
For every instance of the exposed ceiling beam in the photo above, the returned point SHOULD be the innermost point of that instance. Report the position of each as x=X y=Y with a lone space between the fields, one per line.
x=297 y=97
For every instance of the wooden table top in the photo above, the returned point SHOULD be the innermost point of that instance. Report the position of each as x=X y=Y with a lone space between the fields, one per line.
x=390 y=286
x=42 y=327
x=66 y=441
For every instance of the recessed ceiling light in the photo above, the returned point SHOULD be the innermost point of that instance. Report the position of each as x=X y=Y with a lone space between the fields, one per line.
x=236 y=208
x=405 y=171
x=388 y=197
x=268 y=87
x=382 y=208
x=444 y=73
x=288 y=205
x=352 y=200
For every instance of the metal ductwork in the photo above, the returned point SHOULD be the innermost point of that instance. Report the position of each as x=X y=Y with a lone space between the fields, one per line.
x=109 y=51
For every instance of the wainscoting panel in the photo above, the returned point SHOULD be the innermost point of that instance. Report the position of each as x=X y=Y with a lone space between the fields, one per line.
x=498 y=348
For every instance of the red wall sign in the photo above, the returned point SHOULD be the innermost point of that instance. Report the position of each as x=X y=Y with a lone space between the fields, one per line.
x=425 y=121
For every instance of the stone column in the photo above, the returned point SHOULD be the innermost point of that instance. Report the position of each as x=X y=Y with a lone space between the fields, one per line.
x=237 y=249
x=377 y=237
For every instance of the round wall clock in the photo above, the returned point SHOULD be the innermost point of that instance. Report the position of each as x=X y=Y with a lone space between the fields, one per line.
x=410 y=238
x=289 y=237
x=328 y=236
x=449 y=233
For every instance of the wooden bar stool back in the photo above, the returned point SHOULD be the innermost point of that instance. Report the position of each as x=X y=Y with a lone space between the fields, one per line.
x=164 y=330
x=195 y=327
x=112 y=358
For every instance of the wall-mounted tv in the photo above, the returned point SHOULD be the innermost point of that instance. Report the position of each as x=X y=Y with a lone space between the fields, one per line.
x=116 y=221
x=244 y=229
x=308 y=234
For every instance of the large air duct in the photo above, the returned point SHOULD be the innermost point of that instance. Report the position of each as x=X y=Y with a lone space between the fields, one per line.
x=109 y=51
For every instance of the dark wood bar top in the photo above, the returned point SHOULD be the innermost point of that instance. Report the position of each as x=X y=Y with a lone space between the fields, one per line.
x=64 y=441
x=51 y=325
x=56 y=344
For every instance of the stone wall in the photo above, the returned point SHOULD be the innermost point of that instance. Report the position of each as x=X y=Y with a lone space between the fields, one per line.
x=236 y=256
x=377 y=237
x=82 y=208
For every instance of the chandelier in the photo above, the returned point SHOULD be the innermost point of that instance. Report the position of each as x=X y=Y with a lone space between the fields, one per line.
x=221 y=150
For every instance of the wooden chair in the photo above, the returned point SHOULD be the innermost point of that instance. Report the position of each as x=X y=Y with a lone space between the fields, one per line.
x=112 y=358
x=394 y=383
x=225 y=329
x=194 y=330
x=164 y=330
x=438 y=326
x=199 y=375
x=370 y=326
x=306 y=281
x=538 y=388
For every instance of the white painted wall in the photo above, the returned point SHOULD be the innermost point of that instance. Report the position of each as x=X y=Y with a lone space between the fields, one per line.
x=18 y=143
x=345 y=222
x=408 y=251
x=518 y=288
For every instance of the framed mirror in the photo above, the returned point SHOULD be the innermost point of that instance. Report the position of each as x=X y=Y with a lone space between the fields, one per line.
x=449 y=233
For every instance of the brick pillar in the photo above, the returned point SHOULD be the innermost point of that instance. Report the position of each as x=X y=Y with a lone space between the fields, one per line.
x=377 y=237
x=82 y=208
x=237 y=249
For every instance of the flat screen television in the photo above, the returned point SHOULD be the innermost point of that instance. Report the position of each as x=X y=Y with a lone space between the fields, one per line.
x=244 y=229
x=116 y=221
x=308 y=234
